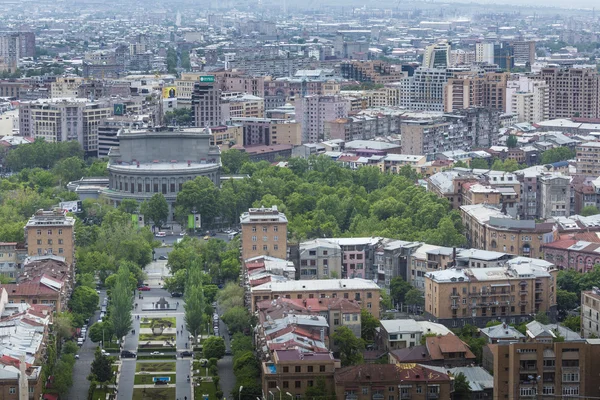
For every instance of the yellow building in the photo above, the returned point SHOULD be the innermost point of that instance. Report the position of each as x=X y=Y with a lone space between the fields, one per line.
x=51 y=232
x=225 y=136
x=525 y=286
x=264 y=233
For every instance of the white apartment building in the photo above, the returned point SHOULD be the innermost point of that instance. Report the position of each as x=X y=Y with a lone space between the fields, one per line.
x=313 y=111
x=529 y=99
x=484 y=53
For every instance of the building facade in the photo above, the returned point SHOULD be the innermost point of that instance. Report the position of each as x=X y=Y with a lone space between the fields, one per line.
x=206 y=104
x=573 y=92
x=313 y=111
x=51 y=232
x=588 y=158
x=160 y=160
x=264 y=233
x=590 y=313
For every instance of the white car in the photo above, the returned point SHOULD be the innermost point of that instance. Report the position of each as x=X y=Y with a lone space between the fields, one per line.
x=157 y=353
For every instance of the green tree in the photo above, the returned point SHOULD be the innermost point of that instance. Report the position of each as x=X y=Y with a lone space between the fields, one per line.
x=231 y=296
x=63 y=325
x=179 y=117
x=460 y=164
x=398 y=289
x=462 y=387
x=512 y=141
x=542 y=318
x=101 y=330
x=237 y=319
x=350 y=347
x=317 y=391
x=194 y=302
x=63 y=374
x=101 y=367
x=573 y=322
x=129 y=206
x=121 y=302
x=200 y=195
x=233 y=160
x=70 y=169
x=557 y=154
x=414 y=297
x=241 y=343
x=368 y=325
x=589 y=210
x=156 y=209
x=213 y=347
x=84 y=301
x=566 y=300
x=479 y=163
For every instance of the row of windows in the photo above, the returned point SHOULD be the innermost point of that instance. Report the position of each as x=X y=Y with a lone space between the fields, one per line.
x=60 y=241
x=265 y=247
x=266 y=239
x=48 y=251
x=39 y=231
x=265 y=228
x=298 y=368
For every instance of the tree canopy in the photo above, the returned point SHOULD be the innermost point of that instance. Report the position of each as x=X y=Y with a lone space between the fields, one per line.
x=557 y=154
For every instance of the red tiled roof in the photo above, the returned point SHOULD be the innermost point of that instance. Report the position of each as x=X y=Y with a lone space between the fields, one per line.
x=561 y=244
x=32 y=288
x=385 y=373
x=438 y=346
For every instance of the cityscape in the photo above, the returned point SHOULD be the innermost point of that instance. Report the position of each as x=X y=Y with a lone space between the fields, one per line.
x=261 y=200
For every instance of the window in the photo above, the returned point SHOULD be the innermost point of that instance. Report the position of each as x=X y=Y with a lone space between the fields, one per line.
x=274 y=229
x=286 y=369
x=570 y=390
x=253 y=247
x=275 y=247
x=527 y=391
x=419 y=389
x=275 y=238
x=369 y=305
x=272 y=384
x=254 y=238
x=12 y=390
x=49 y=231
x=265 y=238
x=39 y=241
x=265 y=247
x=253 y=229
x=286 y=384
x=309 y=383
x=60 y=241
x=571 y=377
x=321 y=368
x=369 y=295
x=60 y=250
x=39 y=231
x=49 y=241
x=297 y=384
x=264 y=228
x=298 y=368
x=365 y=390
x=548 y=390
x=60 y=231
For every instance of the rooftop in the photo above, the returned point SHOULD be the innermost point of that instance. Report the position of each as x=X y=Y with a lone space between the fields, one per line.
x=318 y=285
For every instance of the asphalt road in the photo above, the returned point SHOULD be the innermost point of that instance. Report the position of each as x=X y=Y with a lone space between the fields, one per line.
x=83 y=366
x=225 y=365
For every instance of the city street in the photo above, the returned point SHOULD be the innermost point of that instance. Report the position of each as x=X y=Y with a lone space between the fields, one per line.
x=83 y=366
x=225 y=365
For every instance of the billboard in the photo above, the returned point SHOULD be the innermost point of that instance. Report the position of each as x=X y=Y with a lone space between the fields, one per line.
x=119 y=109
x=207 y=79
x=71 y=206
x=169 y=92
x=194 y=221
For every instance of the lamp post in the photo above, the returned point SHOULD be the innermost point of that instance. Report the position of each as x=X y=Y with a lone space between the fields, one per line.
x=289 y=394
x=279 y=392
x=272 y=395
x=240 y=393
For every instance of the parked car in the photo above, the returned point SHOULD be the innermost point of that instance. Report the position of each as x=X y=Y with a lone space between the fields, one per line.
x=80 y=342
x=128 y=354
x=206 y=237
x=157 y=353
x=160 y=382
x=163 y=258
x=144 y=289
x=176 y=294
x=187 y=353
x=227 y=352
x=161 y=234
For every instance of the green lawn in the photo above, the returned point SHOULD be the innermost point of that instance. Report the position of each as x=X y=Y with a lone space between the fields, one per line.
x=205 y=388
x=148 y=379
x=150 y=336
x=154 y=394
x=100 y=394
x=155 y=367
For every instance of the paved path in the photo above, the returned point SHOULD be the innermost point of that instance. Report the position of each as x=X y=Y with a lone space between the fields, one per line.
x=225 y=365
x=184 y=366
x=83 y=366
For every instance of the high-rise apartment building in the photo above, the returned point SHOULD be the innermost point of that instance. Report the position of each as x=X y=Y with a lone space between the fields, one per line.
x=51 y=232
x=264 y=233
x=61 y=120
x=590 y=313
x=313 y=111
x=475 y=90
x=573 y=92
x=10 y=51
x=437 y=55
x=546 y=369
x=525 y=286
x=370 y=71
x=528 y=98
x=504 y=56
x=206 y=104
x=466 y=129
x=524 y=52
x=424 y=90
x=484 y=53
x=588 y=158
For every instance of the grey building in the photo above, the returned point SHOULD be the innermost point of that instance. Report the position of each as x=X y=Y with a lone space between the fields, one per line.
x=554 y=196
x=160 y=160
x=206 y=104
x=320 y=259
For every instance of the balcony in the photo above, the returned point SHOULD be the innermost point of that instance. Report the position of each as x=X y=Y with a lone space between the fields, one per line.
x=404 y=396
x=538 y=300
x=539 y=289
x=351 y=397
x=454 y=306
x=523 y=292
x=522 y=302
x=431 y=396
x=454 y=295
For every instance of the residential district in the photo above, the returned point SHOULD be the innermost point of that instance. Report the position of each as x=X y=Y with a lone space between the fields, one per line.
x=314 y=200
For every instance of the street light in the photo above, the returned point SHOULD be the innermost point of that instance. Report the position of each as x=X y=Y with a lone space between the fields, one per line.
x=240 y=392
x=289 y=394
x=279 y=392
x=272 y=395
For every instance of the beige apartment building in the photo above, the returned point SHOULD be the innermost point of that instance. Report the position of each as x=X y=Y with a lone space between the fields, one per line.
x=226 y=136
x=185 y=85
x=476 y=90
x=363 y=291
x=240 y=105
x=534 y=370
x=264 y=233
x=51 y=232
x=588 y=158
x=525 y=286
x=573 y=92
x=590 y=313
x=65 y=87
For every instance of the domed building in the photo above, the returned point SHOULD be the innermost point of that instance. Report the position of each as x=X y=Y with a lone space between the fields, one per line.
x=160 y=160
